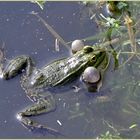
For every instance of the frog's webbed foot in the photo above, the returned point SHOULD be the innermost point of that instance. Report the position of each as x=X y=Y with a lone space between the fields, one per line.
x=17 y=65
x=43 y=104
x=32 y=125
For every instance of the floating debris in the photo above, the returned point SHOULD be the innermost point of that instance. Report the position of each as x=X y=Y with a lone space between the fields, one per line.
x=64 y=105
x=57 y=45
x=59 y=122
x=76 y=115
x=51 y=30
x=133 y=126
x=76 y=88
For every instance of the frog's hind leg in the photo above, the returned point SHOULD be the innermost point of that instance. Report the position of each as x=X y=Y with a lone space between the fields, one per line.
x=16 y=66
x=44 y=104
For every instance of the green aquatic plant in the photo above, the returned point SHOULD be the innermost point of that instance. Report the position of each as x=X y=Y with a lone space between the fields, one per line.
x=121 y=26
x=40 y=3
x=126 y=85
x=117 y=7
x=108 y=135
x=110 y=21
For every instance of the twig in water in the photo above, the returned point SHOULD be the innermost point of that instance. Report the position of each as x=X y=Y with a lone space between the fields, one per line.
x=53 y=32
x=129 y=23
x=57 y=45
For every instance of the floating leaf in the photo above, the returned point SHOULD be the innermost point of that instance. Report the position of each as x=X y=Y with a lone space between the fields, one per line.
x=133 y=126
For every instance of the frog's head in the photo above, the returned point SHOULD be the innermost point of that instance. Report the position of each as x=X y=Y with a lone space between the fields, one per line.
x=93 y=56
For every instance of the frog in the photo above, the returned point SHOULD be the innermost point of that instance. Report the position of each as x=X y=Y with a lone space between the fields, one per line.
x=55 y=73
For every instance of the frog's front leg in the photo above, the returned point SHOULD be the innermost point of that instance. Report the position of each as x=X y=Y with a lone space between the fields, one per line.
x=16 y=65
x=44 y=104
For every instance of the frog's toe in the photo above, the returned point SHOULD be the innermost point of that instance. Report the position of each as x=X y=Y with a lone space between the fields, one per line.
x=33 y=125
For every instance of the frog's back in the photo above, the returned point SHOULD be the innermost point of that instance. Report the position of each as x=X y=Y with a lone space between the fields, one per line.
x=61 y=71
x=54 y=72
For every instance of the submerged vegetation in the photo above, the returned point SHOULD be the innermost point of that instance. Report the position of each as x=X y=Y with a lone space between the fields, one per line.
x=121 y=22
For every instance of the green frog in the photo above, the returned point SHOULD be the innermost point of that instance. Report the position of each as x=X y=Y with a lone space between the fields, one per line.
x=53 y=74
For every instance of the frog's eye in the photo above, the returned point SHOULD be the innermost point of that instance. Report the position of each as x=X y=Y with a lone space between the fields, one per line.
x=88 y=49
x=93 y=58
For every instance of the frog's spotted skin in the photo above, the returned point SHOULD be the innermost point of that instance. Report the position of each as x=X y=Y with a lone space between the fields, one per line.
x=53 y=74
